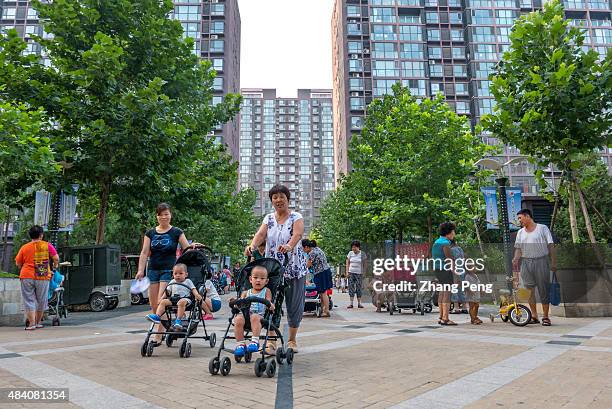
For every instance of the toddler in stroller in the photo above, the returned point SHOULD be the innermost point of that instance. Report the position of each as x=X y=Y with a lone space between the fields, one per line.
x=181 y=296
x=260 y=285
x=56 y=298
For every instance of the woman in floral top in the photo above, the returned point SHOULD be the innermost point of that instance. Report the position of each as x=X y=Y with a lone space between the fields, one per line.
x=322 y=272
x=282 y=232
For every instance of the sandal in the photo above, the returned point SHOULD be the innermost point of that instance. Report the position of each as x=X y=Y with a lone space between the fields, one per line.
x=359 y=306
x=546 y=322
x=535 y=321
x=350 y=306
x=447 y=322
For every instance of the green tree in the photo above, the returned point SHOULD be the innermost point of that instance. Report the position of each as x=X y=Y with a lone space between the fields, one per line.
x=412 y=168
x=131 y=102
x=552 y=98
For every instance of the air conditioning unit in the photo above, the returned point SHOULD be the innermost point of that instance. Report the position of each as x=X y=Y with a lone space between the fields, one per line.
x=354 y=94
x=354 y=56
x=366 y=51
x=214 y=36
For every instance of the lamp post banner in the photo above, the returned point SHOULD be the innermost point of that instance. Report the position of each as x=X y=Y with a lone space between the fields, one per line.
x=490 y=197
x=514 y=198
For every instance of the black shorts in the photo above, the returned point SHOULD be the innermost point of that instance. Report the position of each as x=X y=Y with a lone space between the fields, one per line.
x=445 y=276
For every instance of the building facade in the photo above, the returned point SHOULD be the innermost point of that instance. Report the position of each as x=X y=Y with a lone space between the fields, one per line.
x=288 y=141
x=437 y=46
x=213 y=24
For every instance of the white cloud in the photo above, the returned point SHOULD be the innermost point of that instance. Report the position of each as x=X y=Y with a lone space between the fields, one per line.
x=286 y=44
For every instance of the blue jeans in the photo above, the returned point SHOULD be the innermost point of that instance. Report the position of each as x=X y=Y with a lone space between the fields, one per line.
x=155 y=276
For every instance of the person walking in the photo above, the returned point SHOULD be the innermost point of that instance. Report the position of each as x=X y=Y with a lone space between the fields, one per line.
x=441 y=254
x=321 y=270
x=34 y=261
x=535 y=258
x=159 y=248
x=355 y=266
x=282 y=232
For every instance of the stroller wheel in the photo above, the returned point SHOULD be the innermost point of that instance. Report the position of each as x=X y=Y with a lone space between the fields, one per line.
x=289 y=356
x=212 y=340
x=428 y=308
x=56 y=322
x=143 y=348
x=226 y=366
x=492 y=317
x=260 y=367
x=213 y=365
x=280 y=355
x=150 y=347
x=271 y=368
x=169 y=341
x=187 y=353
x=183 y=348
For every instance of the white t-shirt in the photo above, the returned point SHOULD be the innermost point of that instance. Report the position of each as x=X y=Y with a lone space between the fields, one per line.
x=355 y=262
x=534 y=244
x=211 y=291
x=179 y=289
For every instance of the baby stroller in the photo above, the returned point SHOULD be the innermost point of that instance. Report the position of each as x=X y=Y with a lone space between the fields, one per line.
x=276 y=284
x=312 y=302
x=56 y=305
x=198 y=268
x=217 y=281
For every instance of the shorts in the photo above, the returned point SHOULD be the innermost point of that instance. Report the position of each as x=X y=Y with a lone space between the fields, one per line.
x=445 y=277
x=155 y=276
x=216 y=305
x=535 y=272
x=34 y=294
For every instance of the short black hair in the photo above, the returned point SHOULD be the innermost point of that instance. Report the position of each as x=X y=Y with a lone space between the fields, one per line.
x=279 y=189
x=446 y=227
x=35 y=232
x=313 y=243
x=306 y=243
x=356 y=243
x=525 y=212
x=162 y=207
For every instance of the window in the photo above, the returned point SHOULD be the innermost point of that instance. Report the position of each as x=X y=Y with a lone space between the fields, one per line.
x=455 y=17
x=416 y=87
x=383 y=15
x=355 y=47
x=483 y=17
x=458 y=52
x=413 y=69
x=381 y=32
x=384 y=50
x=357 y=103
x=433 y=34
x=485 y=52
x=187 y=13
x=217 y=9
x=411 y=33
x=412 y=51
x=354 y=29
x=32 y=14
x=356 y=122
x=9 y=13
x=385 y=68
x=356 y=84
x=435 y=70
x=484 y=69
x=437 y=87
x=460 y=70
x=383 y=87
x=461 y=89
x=214 y=46
x=218 y=83
x=485 y=106
x=483 y=34
x=602 y=35
x=217 y=27
x=410 y=19
x=435 y=52
x=573 y=4
x=355 y=65
x=191 y=30
x=506 y=17
x=462 y=107
x=598 y=4
x=432 y=17
x=217 y=64
x=353 y=11
x=456 y=34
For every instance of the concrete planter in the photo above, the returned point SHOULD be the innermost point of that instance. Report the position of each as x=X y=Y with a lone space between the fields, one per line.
x=10 y=302
x=585 y=292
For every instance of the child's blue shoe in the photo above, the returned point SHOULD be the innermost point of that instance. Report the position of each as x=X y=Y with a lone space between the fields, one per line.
x=239 y=351
x=178 y=325
x=154 y=318
x=253 y=347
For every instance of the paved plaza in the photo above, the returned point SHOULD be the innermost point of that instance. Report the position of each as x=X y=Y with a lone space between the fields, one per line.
x=356 y=359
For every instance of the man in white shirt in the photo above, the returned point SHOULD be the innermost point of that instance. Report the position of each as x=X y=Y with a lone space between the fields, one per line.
x=533 y=247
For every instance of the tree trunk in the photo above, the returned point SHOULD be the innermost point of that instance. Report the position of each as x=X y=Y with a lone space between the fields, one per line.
x=572 y=212
x=5 y=239
x=585 y=213
x=553 y=219
x=482 y=252
x=590 y=204
x=101 y=226
x=401 y=234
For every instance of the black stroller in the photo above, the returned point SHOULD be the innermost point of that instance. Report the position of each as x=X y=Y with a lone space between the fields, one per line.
x=198 y=269
x=57 y=308
x=276 y=284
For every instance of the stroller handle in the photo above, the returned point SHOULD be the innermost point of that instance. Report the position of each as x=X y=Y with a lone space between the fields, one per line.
x=180 y=284
x=246 y=302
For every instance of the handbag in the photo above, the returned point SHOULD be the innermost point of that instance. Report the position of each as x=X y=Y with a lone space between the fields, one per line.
x=554 y=290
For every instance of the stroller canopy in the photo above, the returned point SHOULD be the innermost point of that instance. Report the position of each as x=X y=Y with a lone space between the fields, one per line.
x=275 y=274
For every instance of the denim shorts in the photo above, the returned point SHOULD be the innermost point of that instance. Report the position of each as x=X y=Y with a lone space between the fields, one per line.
x=216 y=305
x=155 y=276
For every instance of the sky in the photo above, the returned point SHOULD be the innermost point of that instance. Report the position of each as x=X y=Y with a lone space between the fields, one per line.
x=286 y=44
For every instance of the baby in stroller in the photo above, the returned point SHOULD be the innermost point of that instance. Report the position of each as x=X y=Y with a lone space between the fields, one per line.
x=178 y=297
x=56 y=298
x=258 y=280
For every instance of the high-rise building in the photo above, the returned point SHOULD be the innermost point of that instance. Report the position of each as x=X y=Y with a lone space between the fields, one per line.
x=288 y=141
x=213 y=24
x=431 y=46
